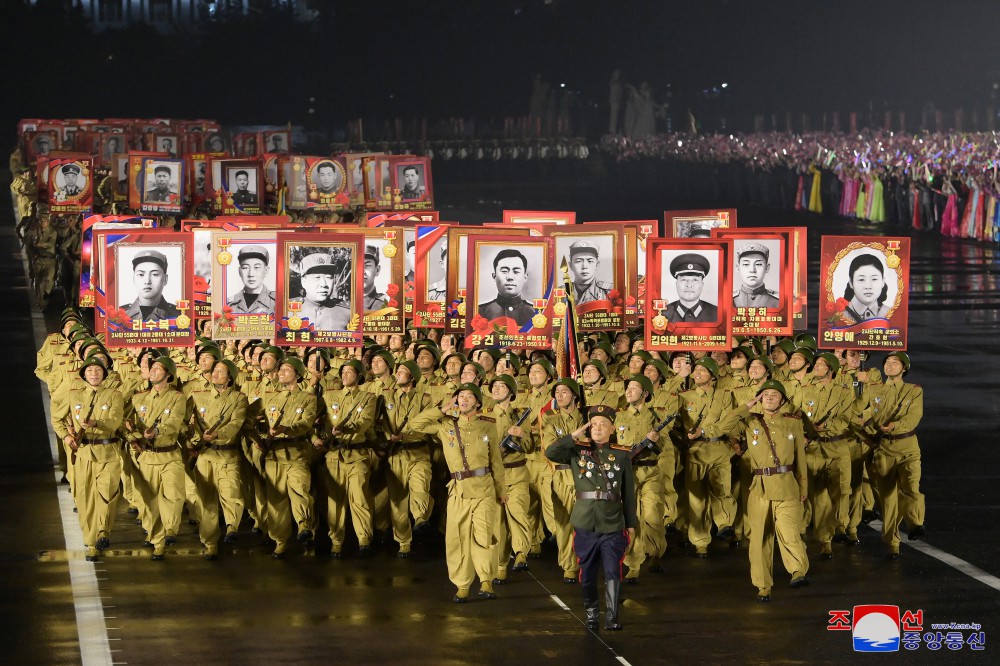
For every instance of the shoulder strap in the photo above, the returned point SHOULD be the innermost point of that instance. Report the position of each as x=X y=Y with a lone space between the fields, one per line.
x=461 y=447
x=770 y=442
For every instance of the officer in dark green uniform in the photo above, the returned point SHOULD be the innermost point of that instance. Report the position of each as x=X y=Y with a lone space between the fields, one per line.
x=603 y=517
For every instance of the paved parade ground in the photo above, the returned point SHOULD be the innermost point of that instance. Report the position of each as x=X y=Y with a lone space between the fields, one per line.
x=247 y=608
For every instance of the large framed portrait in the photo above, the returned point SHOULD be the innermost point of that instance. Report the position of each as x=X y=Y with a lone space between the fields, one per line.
x=697 y=223
x=148 y=280
x=354 y=166
x=688 y=294
x=594 y=275
x=243 y=185
x=539 y=217
x=271 y=178
x=136 y=176
x=326 y=183
x=111 y=145
x=162 y=185
x=216 y=142
x=431 y=278
x=408 y=238
x=119 y=170
x=91 y=286
x=199 y=184
x=382 y=291
x=248 y=144
x=244 y=276
x=39 y=143
x=378 y=182
x=412 y=188
x=320 y=286
x=71 y=185
x=278 y=141
x=168 y=144
x=639 y=233
x=800 y=279
x=511 y=281
x=762 y=273
x=458 y=271
x=864 y=292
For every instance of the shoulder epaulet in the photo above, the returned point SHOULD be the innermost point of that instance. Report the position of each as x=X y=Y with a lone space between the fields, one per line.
x=772 y=292
x=793 y=416
x=488 y=419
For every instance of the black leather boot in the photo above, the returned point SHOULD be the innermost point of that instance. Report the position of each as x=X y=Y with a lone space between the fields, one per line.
x=592 y=606
x=613 y=593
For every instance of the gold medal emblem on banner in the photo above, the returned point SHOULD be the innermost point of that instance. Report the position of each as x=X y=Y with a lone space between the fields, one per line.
x=224 y=258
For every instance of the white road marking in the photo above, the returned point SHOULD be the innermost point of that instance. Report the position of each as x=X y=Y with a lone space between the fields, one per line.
x=560 y=602
x=956 y=563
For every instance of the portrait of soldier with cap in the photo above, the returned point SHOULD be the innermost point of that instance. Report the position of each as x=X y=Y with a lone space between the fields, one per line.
x=71 y=182
x=584 y=263
x=321 y=280
x=752 y=266
x=276 y=143
x=215 y=143
x=167 y=144
x=255 y=297
x=112 y=145
x=410 y=175
x=436 y=290
x=326 y=176
x=510 y=272
x=164 y=186
x=243 y=194
x=689 y=271
x=373 y=299
x=149 y=275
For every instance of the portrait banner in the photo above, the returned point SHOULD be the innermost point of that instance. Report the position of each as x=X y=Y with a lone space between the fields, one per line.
x=697 y=223
x=511 y=281
x=864 y=292
x=71 y=185
x=110 y=146
x=378 y=182
x=320 y=283
x=689 y=294
x=244 y=277
x=88 y=257
x=354 y=165
x=412 y=188
x=596 y=256
x=277 y=141
x=635 y=309
x=199 y=187
x=539 y=217
x=325 y=183
x=162 y=185
x=148 y=277
x=800 y=281
x=430 y=285
x=763 y=278
x=242 y=187
x=458 y=271
x=39 y=143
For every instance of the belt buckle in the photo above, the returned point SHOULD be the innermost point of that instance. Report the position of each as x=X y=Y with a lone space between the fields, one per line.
x=767 y=471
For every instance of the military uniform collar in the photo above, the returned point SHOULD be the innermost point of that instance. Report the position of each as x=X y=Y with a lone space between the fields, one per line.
x=509 y=301
x=684 y=311
x=754 y=292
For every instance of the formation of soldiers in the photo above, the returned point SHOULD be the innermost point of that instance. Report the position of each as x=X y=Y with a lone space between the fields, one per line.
x=408 y=436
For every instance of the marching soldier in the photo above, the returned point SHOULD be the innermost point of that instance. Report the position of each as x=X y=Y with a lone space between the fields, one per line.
x=44 y=260
x=603 y=517
x=540 y=375
x=595 y=375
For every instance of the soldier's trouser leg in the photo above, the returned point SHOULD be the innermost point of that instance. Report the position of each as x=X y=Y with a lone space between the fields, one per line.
x=597 y=551
x=699 y=528
x=469 y=542
x=381 y=518
x=300 y=499
x=833 y=495
x=259 y=490
x=857 y=481
x=540 y=509
x=347 y=487
x=191 y=500
x=360 y=500
x=817 y=485
x=163 y=494
x=516 y=510
x=129 y=491
x=98 y=497
x=897 y=481
x=775 y=519
x=70 y=468
x=172 y=497
x=868 y=499
x=208 y=495
x=396 y=470
x=650 y=534
x=680 y=487
x=720 y=489
x=563 y=494
x=745 y=471
x=667 y=462
x=279 y=512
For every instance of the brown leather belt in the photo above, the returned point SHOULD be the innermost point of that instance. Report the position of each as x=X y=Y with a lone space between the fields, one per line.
x=520 y=463
x=86 y=442
x=711 y=439
x=467 y=474
x=560 y=467
x=771 y=471
x=643 y=463
x=162 y=449
x=412 y=445
x=902 y=435
x=287 y=440
x=599 y=495
x=224 y=447
x=831 y=440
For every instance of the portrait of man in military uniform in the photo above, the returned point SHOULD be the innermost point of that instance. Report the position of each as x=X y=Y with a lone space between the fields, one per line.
x=689 y=270
x=411 y=176
x=436 y=290
x=112 y=145
x=244 y=194
x=753 y=264
x=164 y=185
x=322 y=280
x=510 y=273
x=327 y=178
x=42 y=144
x=256 y=296
x=149 y=279
x=167 y=144
x=373 y=299
x=584 y=266
x=215 y=143
x=276 y=143
x=71 y=185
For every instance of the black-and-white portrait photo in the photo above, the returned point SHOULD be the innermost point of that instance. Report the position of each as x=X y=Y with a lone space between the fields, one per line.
x=436 y=267
x=757 y=273
x=327 y=177
x=863 y=279
x=43 y=144
x=322 y=282
x=161 y=183
x=276 y=142
x=689 y=282
x=216 y=143
x=167 y=144
x=591 y=260
x=70 y=182
x=698 y=228
x=357 y=178
x=509 y=279
x=120 y=170
x=410 y=180
x=378 y=274
x=200 y=176
x=150 y=280
x=410 y=243
x=113 y=145
x=242 y=182
x=203 y=254
x=250 y=279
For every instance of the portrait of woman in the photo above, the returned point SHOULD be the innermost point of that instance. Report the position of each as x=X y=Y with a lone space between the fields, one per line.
x=866 y=289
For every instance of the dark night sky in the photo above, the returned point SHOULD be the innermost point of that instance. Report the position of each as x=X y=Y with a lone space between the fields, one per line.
x=475 y=58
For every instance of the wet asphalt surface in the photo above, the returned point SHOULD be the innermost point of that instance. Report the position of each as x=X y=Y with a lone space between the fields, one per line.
x=248 y=608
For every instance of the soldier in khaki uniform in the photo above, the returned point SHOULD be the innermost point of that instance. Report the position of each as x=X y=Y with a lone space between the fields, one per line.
x=662 y=403
x=857 y=378
x=219 y=413
x=289 y=415
x=87 y=423
x=892 y=413
x=540 y=374
x=775 y=443
x=350 y=414
x=595 y=391
x=513 y=527
x=633 y=425
x=158 y=425
x=43 y=252
x=603 y=516
x=476 y=490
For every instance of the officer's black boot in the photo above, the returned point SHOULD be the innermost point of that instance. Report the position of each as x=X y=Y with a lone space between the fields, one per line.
x=592 y=605
x=613 y=593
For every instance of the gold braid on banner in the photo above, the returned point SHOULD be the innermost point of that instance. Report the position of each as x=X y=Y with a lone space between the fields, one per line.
x=857 y=245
